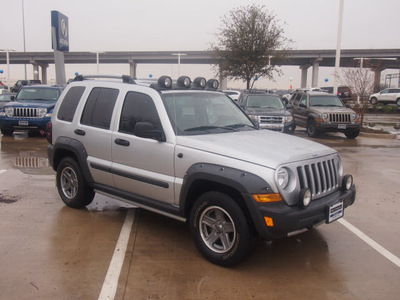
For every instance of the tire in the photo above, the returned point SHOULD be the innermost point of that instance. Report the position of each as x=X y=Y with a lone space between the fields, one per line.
x=312 y=130
x=220 y=229
x=352 y=134
x=7 y=131
x=398 y=102
x=374 y=101
x=71 y=184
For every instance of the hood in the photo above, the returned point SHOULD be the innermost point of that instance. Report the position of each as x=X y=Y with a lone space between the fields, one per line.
x=327 y=109
x=260 y=111
x=262 y=147
x=32 y=103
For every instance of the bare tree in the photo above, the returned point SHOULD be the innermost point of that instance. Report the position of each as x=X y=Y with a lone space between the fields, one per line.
x=361 y=80
x=249 y=41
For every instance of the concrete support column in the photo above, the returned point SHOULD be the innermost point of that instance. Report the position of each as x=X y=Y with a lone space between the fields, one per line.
x=132 y=68
x=304 y=70
x=315 y=72
x=223 y=81
x=44 y=73
x=377 y=79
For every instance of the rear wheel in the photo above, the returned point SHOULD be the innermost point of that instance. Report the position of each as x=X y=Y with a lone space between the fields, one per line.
x=220 y=229
x=71 y=184
x=312 y=130
x=398 y=102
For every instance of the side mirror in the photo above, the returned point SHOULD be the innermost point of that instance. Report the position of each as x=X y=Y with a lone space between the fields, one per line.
x=289 y=106
x=147 y=130
x=12 y=98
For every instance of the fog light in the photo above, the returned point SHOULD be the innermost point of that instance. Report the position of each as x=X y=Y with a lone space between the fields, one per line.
x=347 y=182
x=199 y=82
x=305 y=197
x=184 y=81
x=165 y=81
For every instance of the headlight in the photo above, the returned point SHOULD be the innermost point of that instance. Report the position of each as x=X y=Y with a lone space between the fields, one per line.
x=353 y=117
x=282 y=178
x=9 y=112
x=288 y=119
x=325 y=117
x=41 y=112
x=254 y=118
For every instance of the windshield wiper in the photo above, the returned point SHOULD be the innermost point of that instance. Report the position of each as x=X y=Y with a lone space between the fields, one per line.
x=239 y=125
x=205 y=128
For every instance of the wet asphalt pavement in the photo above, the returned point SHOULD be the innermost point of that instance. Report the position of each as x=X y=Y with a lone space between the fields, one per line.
x=49 y=251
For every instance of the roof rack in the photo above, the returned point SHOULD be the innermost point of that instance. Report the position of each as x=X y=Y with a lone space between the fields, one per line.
x=124 y=78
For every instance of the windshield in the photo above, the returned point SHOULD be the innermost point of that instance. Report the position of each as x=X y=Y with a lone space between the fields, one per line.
x=204 y=112
x=325 y=101
x=41 y=94
x=265 y=101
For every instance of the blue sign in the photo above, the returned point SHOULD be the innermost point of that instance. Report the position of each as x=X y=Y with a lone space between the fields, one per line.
x=60 y=31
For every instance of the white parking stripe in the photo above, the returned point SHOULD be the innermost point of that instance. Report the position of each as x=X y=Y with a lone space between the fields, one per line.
x=110 y=284
x=2 y=171
x=390 y=256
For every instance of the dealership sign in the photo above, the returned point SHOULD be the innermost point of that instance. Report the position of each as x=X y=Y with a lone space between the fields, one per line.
x=60 y=36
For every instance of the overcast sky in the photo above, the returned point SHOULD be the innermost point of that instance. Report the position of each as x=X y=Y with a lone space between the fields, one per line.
x=156 y=25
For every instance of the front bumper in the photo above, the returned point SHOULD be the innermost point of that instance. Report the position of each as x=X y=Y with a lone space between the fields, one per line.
x=335 y=127
x=282 y=127
x=24 y=124
x=289 y=219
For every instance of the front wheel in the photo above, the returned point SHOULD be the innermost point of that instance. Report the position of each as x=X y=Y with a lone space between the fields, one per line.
x=7 y=131
x=71 y=184
x=220 y=229
x=352 y=134
x=398 y=102
x=312 y=130
x=374 y=101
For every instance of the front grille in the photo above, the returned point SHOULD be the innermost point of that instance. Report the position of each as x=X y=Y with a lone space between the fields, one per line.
x=340 y=118
x=321 y=177
x=271 y=120
x=25 y=112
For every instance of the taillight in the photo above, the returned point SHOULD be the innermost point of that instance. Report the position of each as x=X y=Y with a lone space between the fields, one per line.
x=49 y=133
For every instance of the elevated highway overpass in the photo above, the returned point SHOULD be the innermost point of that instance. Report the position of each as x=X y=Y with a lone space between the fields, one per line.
x=380 y=59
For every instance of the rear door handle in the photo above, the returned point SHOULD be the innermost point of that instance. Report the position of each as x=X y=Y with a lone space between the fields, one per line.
x=122 y=142
x=80 y=132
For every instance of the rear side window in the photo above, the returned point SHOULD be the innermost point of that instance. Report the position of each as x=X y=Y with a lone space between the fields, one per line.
x=99 y=108
x=70 y=103
x=138 y=108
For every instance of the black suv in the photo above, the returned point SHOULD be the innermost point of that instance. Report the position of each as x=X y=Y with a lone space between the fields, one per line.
x=322 y=112
x=267 y=110
x=20 y=83
x=344 y=92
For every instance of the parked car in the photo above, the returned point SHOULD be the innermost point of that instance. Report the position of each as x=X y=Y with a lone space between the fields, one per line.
x=188 y=152
x=267 y=111
x=20 y=83
x=31 y=109
x=322 y=112
x=5 y=98
x=386 y=96
x=234 y=95
x=3 y=86
x=344 y=92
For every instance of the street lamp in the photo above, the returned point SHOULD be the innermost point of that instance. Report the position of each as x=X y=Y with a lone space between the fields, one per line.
x=97 y=60
x=8 y=64
x=179 y=61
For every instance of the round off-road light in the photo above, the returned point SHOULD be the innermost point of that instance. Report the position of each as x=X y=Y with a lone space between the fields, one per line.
x=305 y=197
x=200 y=82
x=165 y=81
x=184 y=81
x=347 y=182
x=212 y=84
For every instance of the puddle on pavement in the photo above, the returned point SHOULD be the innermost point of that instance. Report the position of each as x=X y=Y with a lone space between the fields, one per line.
x=8 y=199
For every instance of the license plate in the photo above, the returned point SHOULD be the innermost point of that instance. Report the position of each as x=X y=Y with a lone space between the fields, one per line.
x=23 y=123
x=335 y=212
x=342 y=126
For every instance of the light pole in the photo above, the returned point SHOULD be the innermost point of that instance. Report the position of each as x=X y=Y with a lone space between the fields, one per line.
x=179 y=61
x=98 y=60
x=338 y=48
x=23 y=31
x=8 y=65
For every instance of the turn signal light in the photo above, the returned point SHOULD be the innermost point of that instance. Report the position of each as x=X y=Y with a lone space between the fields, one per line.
x=266 y=198
x=269 y=221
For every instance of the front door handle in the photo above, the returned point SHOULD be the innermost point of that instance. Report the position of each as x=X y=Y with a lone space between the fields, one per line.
x=122 y=142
